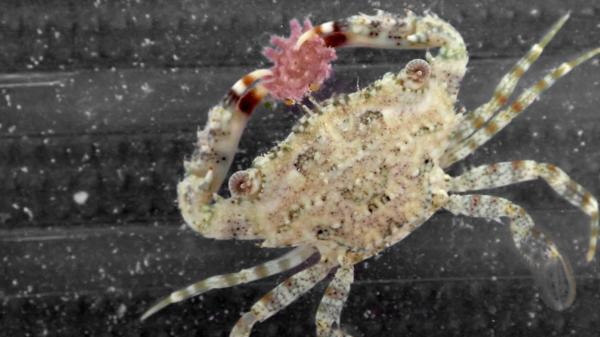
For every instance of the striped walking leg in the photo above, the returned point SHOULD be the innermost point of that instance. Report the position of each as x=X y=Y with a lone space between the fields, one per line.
x=506 y=173
x=280 y=297
x=474 y=120
x=281 y=264
x=504 y=117
x=551 y=270
x=330 y=309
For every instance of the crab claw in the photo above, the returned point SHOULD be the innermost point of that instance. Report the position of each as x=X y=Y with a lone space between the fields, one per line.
x=409 y=31
x=390 y=31
x=382 y=30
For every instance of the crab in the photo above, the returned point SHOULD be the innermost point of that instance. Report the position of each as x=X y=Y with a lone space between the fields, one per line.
x=361 y=171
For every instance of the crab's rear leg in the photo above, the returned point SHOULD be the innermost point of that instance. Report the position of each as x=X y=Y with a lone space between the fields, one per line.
x=330 y=309
x=385 y=30
x=286 y=262
x=475 y=119
x=506 y=173
x=504 y=117
x=216 y=146
x=551 y=270
x=280 y=297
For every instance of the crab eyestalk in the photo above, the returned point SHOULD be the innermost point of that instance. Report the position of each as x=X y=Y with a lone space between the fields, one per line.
x=244 y=183
x=417 y=72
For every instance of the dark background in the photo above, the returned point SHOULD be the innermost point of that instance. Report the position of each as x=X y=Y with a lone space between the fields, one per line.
x=136 y=79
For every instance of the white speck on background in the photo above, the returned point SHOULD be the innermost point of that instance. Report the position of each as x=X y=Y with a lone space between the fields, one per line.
x=146 y=89
x=81 y=197
x=121 y=310
x=28 y=212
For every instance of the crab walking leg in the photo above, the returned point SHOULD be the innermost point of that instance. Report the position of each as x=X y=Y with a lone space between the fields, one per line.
x=280 y=297
x=276 y=266
x=330 y=309
x=504 y=117
x=475 y=119
x=506 y=173
x=216 y=146
x=410 y=31
x=551 y=270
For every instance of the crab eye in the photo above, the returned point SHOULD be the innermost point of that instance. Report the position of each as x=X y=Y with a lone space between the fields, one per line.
x=417 y=71
x=244 y=183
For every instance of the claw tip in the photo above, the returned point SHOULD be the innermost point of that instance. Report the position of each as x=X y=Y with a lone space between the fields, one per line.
x=303 y=38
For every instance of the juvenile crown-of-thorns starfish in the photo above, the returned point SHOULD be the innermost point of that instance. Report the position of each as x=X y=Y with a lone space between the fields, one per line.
x=366 y=169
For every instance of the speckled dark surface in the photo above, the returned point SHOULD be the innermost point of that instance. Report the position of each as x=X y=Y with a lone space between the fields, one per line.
x=138 y=79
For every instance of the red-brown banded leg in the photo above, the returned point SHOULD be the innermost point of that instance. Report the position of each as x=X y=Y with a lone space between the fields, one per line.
x=386 y=30
x=507 y=173
x=551 y=270
x=280 y=297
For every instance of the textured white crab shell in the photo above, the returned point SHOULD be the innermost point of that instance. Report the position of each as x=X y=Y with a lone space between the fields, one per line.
x=332 y=179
